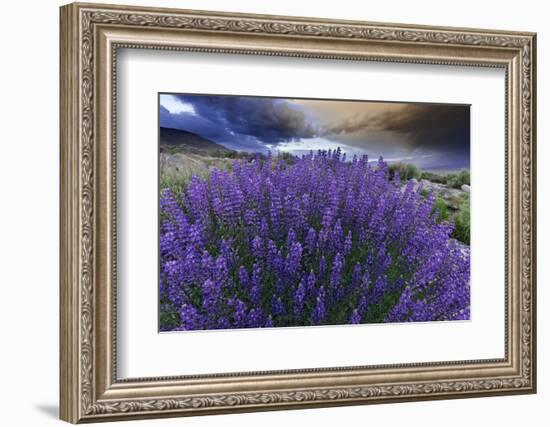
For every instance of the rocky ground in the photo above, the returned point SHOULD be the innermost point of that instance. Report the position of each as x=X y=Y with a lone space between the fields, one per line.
x=452 y=196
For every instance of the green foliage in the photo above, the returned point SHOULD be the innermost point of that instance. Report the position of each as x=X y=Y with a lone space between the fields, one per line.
x=441 y=207
x=169 y=316
x=289 y=158
x=460 y=218
x=173 y=181
x=462 y=221
x=177 y=177
x=434 y=177
x=406 y=171
x=241 y=155
x=456 y=180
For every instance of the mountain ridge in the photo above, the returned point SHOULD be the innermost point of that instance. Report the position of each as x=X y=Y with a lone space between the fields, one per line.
x=171 y=139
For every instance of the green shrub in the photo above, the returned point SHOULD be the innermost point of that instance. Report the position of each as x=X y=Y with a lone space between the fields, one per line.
x=287 y=157
x=173 y=181
x=462 y=221
x=456 y=180
x=406 y=171
x=441 y=207
x=434 y=177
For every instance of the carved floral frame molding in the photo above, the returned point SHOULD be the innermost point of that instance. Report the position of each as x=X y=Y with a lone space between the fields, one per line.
x=90 y=37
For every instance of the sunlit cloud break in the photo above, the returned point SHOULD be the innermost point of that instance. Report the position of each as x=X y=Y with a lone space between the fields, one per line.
x=175 y=106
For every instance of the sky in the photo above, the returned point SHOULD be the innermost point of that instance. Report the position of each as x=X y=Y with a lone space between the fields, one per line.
x=432 y=136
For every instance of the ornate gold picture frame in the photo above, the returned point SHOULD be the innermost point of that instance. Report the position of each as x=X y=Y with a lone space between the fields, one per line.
x=91 y=35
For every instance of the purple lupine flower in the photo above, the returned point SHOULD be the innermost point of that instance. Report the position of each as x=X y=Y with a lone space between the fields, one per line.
x=310 y=287
x=356 y=276
x=264 y=229
x=319 y=312
x=221 y=269
x=251 y=221
x=293 y=259
x=244 y=278
x=227 y=258
x=314 y=238
x=277 y=307
x=311 y=241
x=256 y=286
x=377 y=291
x=197 y=199
x=362 y=305
x=298 y=299
x=190 y=317
x=337 y=290
x=347 y=244
x=211 y=300
x=240 y=317
x=291 y=238
x=355 y=318
x=322 y=268
x=336 y=240
x=255 y=318
x=257 y=247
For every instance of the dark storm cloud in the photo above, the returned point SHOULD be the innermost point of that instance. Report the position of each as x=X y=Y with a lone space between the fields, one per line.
x=209 y=129
x=427 y=126
x=268 y=120
x=167 y=119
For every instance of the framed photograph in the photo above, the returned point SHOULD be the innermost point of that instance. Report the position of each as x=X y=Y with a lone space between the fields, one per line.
x=267 y=212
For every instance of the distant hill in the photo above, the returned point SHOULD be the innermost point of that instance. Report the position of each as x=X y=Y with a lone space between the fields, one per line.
x=181 y=140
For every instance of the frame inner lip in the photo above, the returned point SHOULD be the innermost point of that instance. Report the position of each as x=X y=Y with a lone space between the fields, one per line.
x=341 y=370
